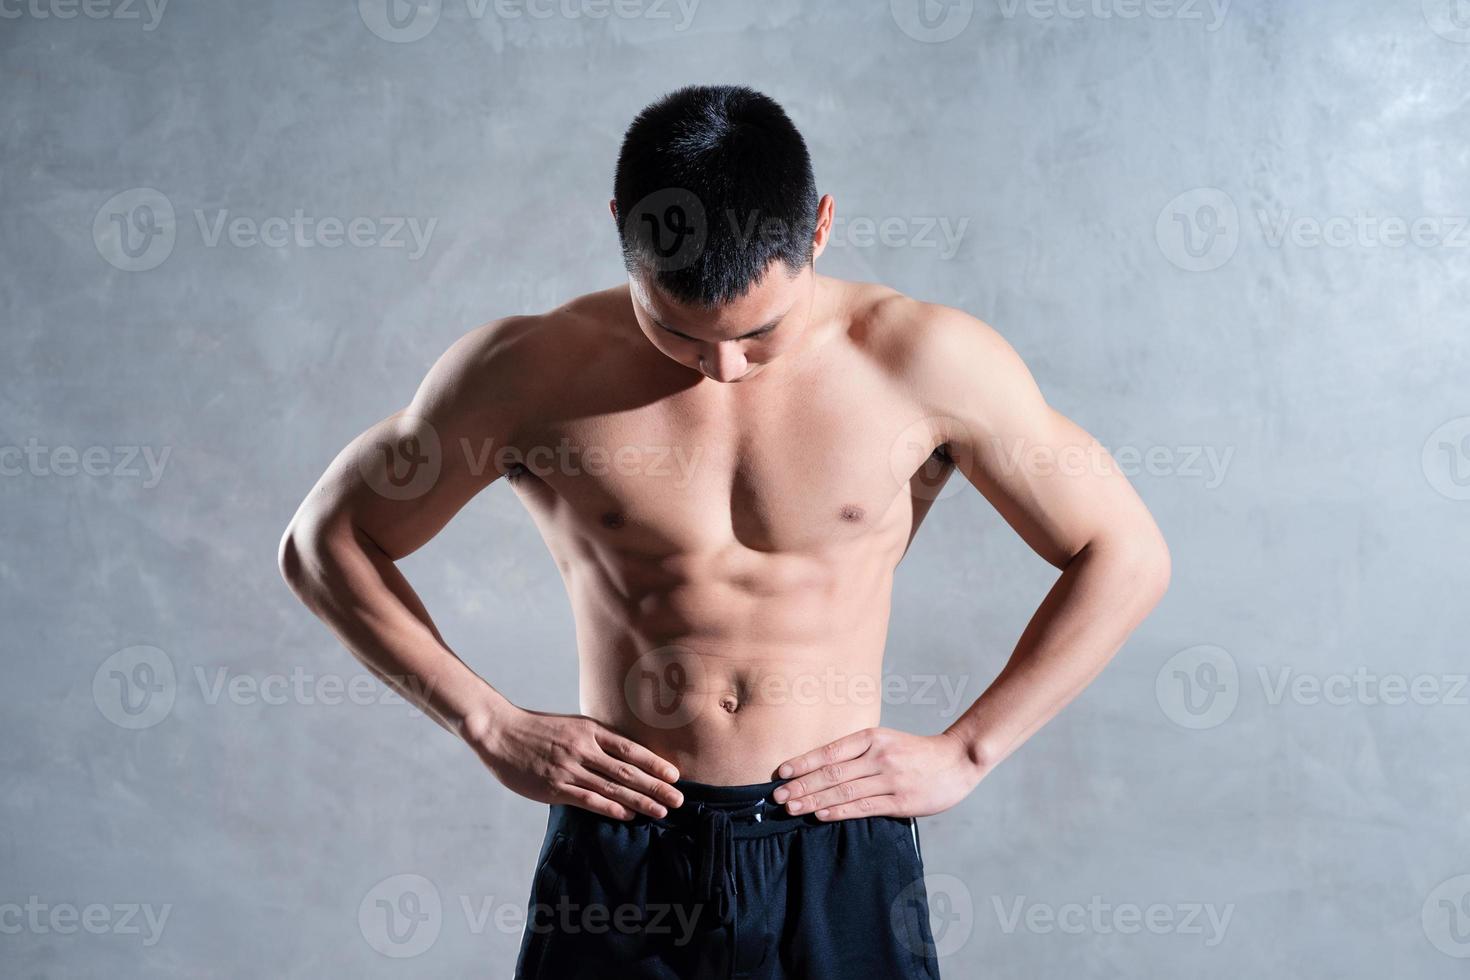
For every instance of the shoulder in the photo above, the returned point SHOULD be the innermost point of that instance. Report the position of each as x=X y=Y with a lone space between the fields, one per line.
x=938 y=352
x=510 y=360
x=512 y=346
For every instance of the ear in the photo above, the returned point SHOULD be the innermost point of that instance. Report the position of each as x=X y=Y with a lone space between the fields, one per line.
x=826 y=207
x=612 y=207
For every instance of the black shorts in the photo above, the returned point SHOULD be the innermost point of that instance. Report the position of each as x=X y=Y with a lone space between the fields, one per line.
x=728 y=885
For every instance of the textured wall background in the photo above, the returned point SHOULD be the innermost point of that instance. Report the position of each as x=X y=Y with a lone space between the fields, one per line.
x=1230 y=240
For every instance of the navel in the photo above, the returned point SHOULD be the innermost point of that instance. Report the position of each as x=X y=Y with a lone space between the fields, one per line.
x=613 y=519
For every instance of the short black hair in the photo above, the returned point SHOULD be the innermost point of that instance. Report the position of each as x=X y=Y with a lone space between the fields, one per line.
x=713 y=183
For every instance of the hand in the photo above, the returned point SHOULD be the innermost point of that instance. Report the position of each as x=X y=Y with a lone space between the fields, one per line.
x=574 y=759
x=879 y=772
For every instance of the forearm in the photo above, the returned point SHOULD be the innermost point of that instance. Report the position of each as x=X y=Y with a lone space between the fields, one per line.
x=343 y=577
x=1102 y=595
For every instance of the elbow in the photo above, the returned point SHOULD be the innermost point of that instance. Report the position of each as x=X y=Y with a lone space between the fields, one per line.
x=297 y=556
x=289 y=559
x=1152 y=568
x=1137 y=561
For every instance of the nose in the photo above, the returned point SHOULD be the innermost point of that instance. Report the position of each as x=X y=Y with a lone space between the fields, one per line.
x=725 y=363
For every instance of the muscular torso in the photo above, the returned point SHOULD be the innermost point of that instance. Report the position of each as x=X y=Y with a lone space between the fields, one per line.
x=728 y=549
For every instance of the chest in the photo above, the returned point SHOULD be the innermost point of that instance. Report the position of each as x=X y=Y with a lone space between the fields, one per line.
x=810 y=469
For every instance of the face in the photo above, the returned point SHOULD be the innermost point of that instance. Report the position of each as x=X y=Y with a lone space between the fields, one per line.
x=733 y=342
x=736 y=341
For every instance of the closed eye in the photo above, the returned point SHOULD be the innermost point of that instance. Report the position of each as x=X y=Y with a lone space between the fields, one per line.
x=757 y=334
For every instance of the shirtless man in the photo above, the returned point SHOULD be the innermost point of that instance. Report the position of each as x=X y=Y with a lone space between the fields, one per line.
x=727 y=456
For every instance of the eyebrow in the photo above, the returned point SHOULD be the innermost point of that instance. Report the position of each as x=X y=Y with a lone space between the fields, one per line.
x=758 y=331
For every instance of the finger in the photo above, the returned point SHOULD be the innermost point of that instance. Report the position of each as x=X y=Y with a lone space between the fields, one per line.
x=845 y=748
x=630 y=751
x=605 y=786
x=629 y=775
x=826 y=777
x=631 y=779
x=588 y=800
x=853 y=789
x=869 y=806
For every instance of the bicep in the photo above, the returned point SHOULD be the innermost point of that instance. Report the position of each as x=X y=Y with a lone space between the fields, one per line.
x=402 y=480
x=1047 y=477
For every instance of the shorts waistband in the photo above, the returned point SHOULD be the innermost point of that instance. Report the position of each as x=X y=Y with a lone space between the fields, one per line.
x=726 y=795
x=748 y=811
x=713 y=818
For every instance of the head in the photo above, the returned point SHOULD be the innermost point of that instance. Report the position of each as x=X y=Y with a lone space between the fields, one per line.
x=720 y=221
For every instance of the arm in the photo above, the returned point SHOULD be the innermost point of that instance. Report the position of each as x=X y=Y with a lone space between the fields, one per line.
x=383 y=497
x=1065 y=497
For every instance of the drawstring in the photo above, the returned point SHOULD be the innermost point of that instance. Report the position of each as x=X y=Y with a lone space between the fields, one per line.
x=714 y=880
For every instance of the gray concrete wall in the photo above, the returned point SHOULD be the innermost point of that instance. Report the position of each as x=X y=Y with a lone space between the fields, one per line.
x=1230 y=240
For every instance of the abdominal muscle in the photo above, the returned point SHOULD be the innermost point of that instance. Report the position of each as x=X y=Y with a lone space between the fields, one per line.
x=727 y=684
